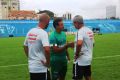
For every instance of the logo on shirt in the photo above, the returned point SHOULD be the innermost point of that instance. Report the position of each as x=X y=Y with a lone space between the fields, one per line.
x=90 y=34
x=32 y=37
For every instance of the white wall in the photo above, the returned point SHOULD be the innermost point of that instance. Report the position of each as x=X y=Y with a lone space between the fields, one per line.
x=5 y=11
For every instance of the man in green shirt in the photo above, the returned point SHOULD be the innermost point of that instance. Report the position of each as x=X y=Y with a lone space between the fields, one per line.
x=59 y=53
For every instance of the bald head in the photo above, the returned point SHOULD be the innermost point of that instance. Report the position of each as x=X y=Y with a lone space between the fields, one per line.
x=43 y=17
x=44 y=20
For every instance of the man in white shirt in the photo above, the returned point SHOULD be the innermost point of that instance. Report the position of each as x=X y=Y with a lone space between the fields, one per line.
x=36 y=47
x=83 y=50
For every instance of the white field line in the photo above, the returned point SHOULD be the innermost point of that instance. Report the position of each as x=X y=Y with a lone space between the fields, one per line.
x=104 y=57
x=13 y=65
x=70 y=61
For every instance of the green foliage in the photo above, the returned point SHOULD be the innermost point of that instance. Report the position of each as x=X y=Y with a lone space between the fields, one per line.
x=50 y=13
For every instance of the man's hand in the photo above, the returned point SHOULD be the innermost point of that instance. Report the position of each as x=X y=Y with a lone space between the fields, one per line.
x=70 y=44
x=68 y=58
x=45 y=63
x=77 y=55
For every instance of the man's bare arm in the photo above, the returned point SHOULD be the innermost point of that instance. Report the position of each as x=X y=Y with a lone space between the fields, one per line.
x=47 y=55
x=78 y=48
x=26 y=50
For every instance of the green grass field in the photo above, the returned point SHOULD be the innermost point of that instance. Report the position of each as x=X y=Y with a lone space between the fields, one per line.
x=105 y=65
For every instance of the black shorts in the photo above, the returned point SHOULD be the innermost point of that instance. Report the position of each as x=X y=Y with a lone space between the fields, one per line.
x=81 y=71
x=40 y=76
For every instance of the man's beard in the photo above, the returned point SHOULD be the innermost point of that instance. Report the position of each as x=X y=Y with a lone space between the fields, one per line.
x=46 y=26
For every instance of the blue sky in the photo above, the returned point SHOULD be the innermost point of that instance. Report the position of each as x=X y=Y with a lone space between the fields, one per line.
x=86 y=8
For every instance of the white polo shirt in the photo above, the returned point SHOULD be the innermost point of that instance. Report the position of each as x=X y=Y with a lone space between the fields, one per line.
x=36 y=39
x=86 y=35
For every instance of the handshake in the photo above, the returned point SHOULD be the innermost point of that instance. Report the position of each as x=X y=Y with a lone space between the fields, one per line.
x=69 y=45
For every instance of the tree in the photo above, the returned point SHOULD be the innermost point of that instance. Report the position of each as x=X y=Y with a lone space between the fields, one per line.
x=50 y=13
x=112 y=18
